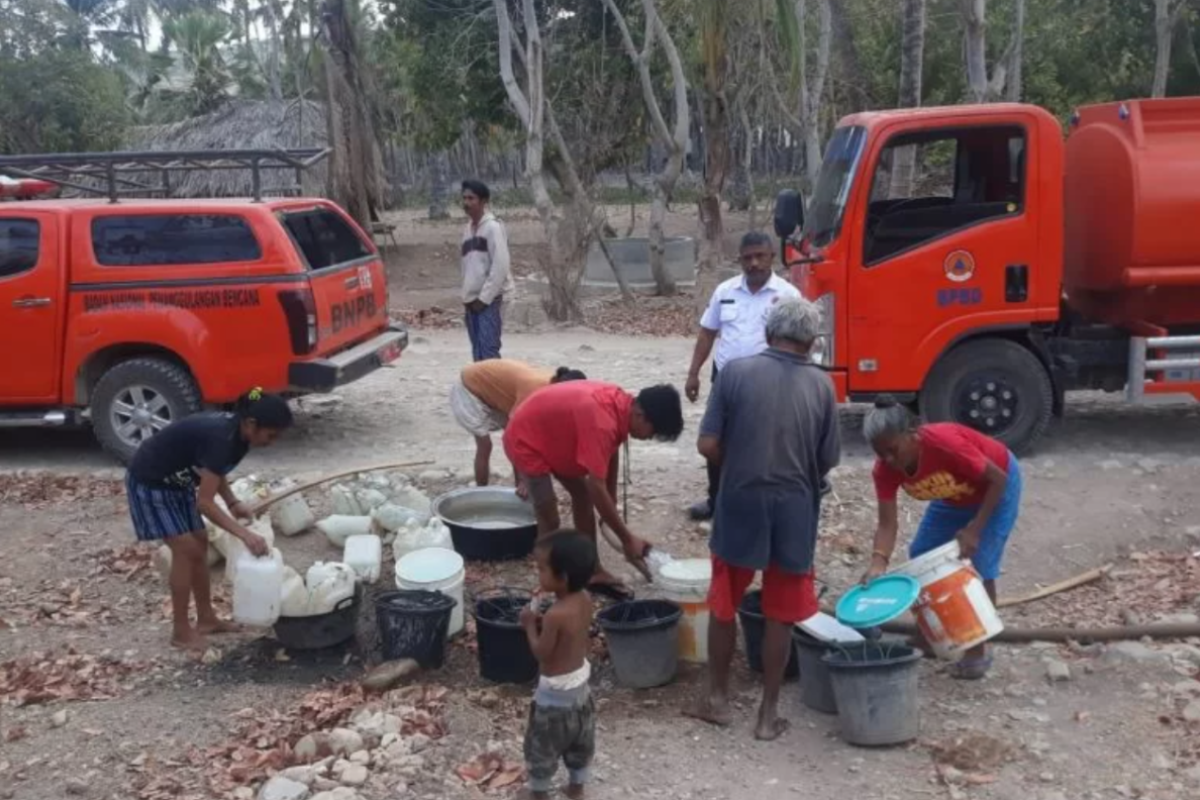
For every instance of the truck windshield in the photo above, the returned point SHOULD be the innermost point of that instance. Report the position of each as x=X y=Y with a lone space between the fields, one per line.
x=824 y=219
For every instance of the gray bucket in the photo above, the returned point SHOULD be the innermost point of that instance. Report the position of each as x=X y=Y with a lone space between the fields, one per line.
x=875 y=684
x=643 y=641
x=816 y=691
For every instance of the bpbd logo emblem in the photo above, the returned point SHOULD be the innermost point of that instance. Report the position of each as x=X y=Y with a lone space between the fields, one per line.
x=959 y=266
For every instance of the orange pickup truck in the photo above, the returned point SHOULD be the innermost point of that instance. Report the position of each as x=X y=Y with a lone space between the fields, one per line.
x=130 y=315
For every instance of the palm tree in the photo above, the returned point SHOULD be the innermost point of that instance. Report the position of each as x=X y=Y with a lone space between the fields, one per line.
x=198 y=36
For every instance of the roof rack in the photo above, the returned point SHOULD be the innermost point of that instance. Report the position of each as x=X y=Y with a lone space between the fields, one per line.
x=117 y=175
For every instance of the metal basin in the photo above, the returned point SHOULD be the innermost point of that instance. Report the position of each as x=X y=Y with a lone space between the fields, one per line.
x=488 y=523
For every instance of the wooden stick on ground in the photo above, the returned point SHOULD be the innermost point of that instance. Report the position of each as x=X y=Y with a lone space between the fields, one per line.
x=1061 y=586
x=263 y=505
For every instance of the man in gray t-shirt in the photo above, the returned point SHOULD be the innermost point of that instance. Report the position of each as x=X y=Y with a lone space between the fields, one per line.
x=772 y=424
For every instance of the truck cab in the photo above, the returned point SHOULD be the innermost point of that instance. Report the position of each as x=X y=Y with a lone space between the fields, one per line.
x=961 y=268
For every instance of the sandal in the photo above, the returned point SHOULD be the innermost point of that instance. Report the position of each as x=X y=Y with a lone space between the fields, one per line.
x=971 y=669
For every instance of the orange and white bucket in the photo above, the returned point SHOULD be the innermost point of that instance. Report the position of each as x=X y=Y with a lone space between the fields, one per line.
x=685 y=582
x=953 y=610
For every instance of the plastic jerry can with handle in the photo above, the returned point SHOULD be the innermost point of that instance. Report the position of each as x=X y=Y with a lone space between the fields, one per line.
x=258 y=589
x=363 y=554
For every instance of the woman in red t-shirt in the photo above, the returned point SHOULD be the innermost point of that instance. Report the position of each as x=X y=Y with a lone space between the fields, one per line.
x=972 y=483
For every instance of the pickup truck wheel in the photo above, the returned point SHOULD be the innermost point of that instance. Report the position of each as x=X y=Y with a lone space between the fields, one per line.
x=996 y=387
x=136 y=399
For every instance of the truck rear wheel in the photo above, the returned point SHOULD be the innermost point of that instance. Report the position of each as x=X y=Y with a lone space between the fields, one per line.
x=136 y=399
x=996 y=387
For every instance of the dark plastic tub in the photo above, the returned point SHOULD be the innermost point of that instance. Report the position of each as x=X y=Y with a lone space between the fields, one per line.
x=413 y=624
x=320 y=631
x=643 y=641
x=488 y=523
x=876 y=685
x=816 y=690
x=504 y=654
x=753 y=625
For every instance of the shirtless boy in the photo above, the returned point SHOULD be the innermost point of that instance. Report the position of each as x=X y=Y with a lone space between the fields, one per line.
x=562 y=721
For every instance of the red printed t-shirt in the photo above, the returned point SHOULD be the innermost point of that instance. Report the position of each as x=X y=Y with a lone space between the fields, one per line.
x=569 y=429
x=952 y=462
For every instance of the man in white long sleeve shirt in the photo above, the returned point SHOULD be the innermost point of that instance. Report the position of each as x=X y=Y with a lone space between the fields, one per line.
x=486 y=277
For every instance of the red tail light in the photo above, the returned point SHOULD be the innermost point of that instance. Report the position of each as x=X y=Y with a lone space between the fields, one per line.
x=301 y=315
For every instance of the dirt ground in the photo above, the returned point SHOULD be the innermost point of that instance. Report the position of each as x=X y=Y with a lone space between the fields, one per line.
x=1110 y=484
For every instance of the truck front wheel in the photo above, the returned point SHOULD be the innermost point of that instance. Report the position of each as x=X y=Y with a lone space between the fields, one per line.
x=136 y=399
x=994 y=386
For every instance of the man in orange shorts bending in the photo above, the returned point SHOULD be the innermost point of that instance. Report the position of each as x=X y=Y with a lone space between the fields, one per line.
x=772 y=423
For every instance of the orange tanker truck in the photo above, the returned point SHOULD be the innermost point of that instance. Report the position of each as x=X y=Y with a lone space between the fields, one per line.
x=973 y=263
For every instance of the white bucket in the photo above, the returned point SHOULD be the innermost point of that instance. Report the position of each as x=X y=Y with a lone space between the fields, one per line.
x=953 y=610
x=435 y=569
x=685 y=582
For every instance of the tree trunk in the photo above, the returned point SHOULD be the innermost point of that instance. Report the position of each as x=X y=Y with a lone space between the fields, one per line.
x=714 y=32
x=439 y=186
x=974 y=14
x=673 y=138
x=1164 y=28
x=1013 y=88
x=812 y=85
x=912 y=60
x=354 y=168
x=274 y=79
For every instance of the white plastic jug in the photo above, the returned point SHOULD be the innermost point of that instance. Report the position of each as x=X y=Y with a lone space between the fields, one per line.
x=291 y=516
x=258 y=589
x=364 y=554
x=234 y=549
x=338 y=528
x=329 y=583
x=294 y=594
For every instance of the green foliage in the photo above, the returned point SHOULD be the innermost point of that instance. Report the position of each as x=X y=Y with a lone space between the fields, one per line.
x=59 y=100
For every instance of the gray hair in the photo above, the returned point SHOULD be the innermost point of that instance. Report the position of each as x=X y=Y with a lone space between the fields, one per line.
x=794 y=320
x=887 y=418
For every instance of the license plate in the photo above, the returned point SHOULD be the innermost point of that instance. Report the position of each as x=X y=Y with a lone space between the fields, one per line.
x=389 y=353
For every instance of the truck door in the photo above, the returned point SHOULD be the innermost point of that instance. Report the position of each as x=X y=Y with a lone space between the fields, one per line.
x=947 y=245
x=31 y=307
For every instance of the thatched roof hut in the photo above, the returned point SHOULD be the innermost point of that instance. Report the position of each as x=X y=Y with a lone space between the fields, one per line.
x=242 y=125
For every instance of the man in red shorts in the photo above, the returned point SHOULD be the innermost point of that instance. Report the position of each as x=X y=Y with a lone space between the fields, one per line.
x=772 y=423
x=573 y=432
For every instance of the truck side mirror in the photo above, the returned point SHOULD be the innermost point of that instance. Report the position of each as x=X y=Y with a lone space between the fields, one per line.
x=789 y=213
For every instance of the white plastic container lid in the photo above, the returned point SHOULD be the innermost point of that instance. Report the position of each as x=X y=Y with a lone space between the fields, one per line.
x=429 y=565
x=687 y=571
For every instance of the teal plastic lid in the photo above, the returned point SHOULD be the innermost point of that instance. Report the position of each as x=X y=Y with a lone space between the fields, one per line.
x=880 y=601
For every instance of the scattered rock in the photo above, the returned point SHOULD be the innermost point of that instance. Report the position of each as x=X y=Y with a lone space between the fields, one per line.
x=340 y=793
x=418 y=742
x=1136 y=653
x=77 y=787
x=1162 y=761
x=431 y=476
x=390 y=673
x=59 y=718
x=1191 y=711
x=311 y=747
x=360 y=757
x=1179 y=619
x=1131 y=617
x=281 y=788
x=243 y=793
x=1110 y=464
x=303 y=774
x=344 y=741
x=1057 y=670
x=355 y=775
x=1192 y=776
x=1186 y=688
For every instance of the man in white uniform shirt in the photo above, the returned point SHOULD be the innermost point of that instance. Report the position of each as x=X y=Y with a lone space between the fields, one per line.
x=735 y=322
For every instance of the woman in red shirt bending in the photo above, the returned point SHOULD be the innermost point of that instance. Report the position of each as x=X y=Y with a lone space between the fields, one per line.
x=972 y=483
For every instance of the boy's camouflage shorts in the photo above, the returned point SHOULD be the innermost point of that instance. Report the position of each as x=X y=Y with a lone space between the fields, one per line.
x=560 y=732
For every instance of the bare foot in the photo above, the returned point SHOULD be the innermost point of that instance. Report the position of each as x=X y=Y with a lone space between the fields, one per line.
x=218 y=626
x=710 y=710
x=574 y=791
x=189 y=640
x=769 y=730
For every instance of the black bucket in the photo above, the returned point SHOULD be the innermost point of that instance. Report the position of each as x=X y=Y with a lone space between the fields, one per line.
x=877 y=695
x=413 y=624
x=751 y=618
x=643 y=641
x=504 y=654
x=816 y=690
